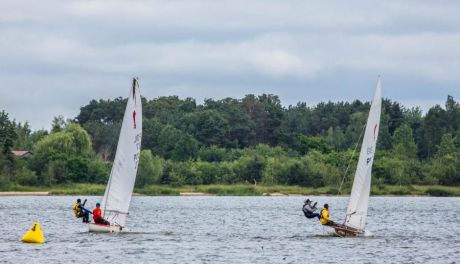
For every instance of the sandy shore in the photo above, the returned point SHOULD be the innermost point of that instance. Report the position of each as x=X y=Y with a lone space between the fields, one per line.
x=24 y=193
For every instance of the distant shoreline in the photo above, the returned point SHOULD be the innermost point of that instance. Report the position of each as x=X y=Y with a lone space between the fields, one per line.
x=24 y=193
x=199 y=194
x=232 y=190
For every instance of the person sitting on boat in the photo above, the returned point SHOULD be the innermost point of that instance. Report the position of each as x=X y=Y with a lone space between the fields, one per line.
x=97 y=215
x=325 y=219
x=80 y=211
x=309 y=210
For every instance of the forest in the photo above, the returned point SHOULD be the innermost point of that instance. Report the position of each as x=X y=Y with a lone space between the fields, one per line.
x=252 y=140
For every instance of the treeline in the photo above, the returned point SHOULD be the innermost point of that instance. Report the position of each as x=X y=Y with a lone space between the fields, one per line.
x=254 y=139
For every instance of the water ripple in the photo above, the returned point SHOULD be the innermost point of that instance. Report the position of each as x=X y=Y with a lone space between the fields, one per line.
x=233 y=230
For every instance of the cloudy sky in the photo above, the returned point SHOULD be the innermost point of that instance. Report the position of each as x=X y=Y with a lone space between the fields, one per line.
x=57 y=55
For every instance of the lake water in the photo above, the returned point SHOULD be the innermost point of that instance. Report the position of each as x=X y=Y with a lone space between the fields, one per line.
x=233 y=230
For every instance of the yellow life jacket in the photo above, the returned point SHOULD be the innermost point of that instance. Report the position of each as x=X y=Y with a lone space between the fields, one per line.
x=325 y=216
x=76 y=209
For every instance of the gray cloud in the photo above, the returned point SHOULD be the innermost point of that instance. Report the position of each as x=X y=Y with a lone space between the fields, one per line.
x=56 y=56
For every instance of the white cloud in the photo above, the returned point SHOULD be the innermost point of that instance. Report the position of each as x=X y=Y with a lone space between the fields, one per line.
x=284 y=47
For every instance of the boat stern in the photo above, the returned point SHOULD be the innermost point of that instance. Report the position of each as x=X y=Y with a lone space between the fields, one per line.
x=347 y=231
x=100 y=228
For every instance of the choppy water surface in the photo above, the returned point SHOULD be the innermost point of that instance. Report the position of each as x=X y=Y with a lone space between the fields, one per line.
x=233 y=230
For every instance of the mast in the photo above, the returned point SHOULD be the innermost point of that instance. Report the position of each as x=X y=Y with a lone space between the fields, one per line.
x=359 y=197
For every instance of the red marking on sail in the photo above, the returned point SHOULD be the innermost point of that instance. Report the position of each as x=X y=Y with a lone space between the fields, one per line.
x=375 y=130
x=134 y=118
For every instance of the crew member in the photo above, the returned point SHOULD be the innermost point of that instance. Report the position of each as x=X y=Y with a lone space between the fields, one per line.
x=97 y=215
x=325 y=219
x=80 y=211
x=309 y=210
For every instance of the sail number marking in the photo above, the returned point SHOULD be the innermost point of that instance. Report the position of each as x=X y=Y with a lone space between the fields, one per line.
x=137 y=142
x=370 y=152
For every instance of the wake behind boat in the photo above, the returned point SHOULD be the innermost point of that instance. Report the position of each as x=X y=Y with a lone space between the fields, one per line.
x=119 y=190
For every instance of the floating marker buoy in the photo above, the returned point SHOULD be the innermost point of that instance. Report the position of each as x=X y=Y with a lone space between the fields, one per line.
x=34 y=235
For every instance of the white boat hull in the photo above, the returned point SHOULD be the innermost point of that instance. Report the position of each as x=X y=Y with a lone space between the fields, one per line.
x=99 y=228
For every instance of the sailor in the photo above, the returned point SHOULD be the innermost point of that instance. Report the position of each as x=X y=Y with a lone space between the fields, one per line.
x=97 y=215
x=309 y=210
x=80 y=211
x=325 y=219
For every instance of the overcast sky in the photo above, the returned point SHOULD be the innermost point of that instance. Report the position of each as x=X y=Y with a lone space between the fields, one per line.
x=55 y=56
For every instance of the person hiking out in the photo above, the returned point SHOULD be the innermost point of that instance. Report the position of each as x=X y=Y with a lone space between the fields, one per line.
x=309 y=210
x=80 y=212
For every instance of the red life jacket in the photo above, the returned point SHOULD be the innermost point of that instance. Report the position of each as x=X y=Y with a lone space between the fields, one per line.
x=97 y=213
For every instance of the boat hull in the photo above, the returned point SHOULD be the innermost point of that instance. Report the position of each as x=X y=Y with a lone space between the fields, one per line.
x=344 y=231
x=100 y=228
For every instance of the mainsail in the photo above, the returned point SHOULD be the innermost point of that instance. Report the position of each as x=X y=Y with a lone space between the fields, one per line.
x=119 y=190
x=359 y=198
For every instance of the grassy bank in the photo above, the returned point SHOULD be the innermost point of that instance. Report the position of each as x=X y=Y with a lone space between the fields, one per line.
x=239 y=190
x=69 y=189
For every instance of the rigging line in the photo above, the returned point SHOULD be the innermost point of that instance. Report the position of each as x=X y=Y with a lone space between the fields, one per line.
x=349 y=162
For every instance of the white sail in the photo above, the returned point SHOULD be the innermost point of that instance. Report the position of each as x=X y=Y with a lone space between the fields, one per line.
x=359 y=197
x=119 y=190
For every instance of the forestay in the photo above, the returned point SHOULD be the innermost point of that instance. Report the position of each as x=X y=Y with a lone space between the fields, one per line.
x=359 y=197
x=118 y=192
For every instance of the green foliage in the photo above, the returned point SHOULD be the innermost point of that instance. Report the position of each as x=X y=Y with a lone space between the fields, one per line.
x=212 y=154
x=98 y=171
x=58 y=124
x=313 y=143
x=25 y=176
x=240 y=132
x=207 y=126
x=173 y=144
x=23 y=135
x=156 y=190
x=434 y=126
x=439 y=192
x=446 y=169
x=104 y=137
x=393 y=170
x=253 y=140
x=7 y=138
x=403 y=143
x=271 y=172
x=186 y=148
x=355 y=130
x=150 y=169
x=7 y=134
x=235 y=190
x=249 y=168
x=55 y=172
x=151 y=129
x=205 y=173
x=402 y=190
x=336 y=138
x=77 y=170
x=103 y=111
x=63 y=156
x=266 y=113
x=34 y=138
x=447 y=146
x=445 y=166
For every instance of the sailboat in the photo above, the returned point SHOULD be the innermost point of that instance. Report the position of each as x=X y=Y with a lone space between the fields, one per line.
x=119 y=190
x=355 y=219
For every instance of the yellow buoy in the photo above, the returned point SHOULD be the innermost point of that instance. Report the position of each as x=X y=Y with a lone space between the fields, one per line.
x=34 y=235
